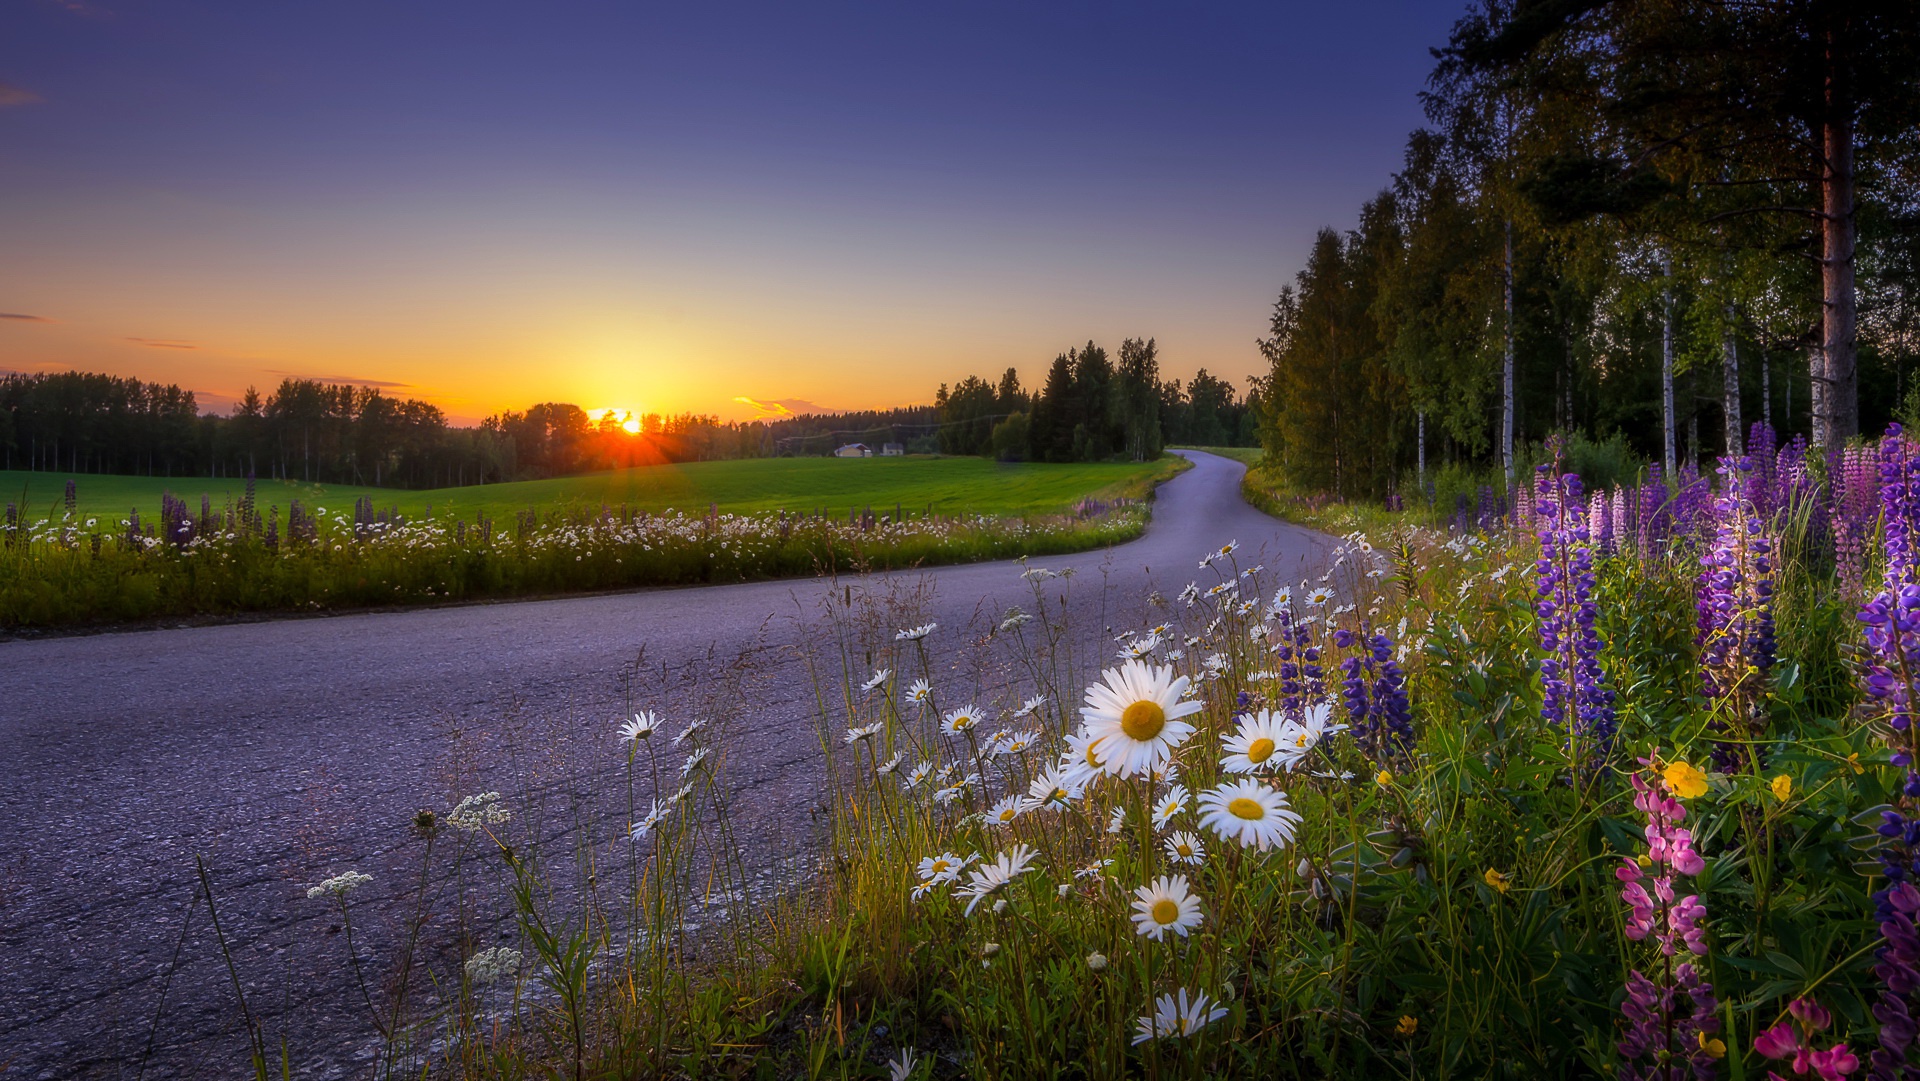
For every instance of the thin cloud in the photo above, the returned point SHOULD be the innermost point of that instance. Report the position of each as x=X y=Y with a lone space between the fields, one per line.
x=782 y=407
x=165 y=343
x=26 y=318
x=352 y=379
x=11 y=95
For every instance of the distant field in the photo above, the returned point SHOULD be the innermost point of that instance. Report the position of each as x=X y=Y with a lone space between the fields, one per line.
x=1249 y=456
x=836 y=486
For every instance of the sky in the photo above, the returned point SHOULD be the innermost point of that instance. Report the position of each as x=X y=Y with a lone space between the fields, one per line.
x=714 y=207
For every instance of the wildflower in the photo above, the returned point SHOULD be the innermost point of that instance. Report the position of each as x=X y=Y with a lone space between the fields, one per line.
x=989 y=949
x=1028 y=707
x=915 y=634
x=1782 y=787
x=476 y=813
x=920 y=692
x=1184 y=846
x=1303 y=735
x=1250 y=813
x=1685 y=781
x=340 y=885
x=1092 y=870
x=1252 y=747
x=1134 y=716
x=989 y=878
x=1165 y=905
x=945 y=867
x=889 y=765
x=693 y=761
x=1712 y=1046
x=864 y=732
x=1407 y=1025
x=655 y=815
x=960 y=720
x=901 y=1068
x=1117 y=819
x=687 y=732
x=1081 y=760
x=879 y=677
x=1318 y=597
x=1016 y=742
x=1170 y=807
x=1384 y=779
x=1793 y=1038
x=1015 y=618
x=1576 y=696
x=1181 y=1016
x=917 y=775
x=1004 y=812
x=639 y=728
x=1097 y=961
x=1051 y=789
x=1497 y=880
x=487 y=966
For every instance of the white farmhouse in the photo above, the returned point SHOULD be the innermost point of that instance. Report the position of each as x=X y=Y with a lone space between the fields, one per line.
x=854 y=450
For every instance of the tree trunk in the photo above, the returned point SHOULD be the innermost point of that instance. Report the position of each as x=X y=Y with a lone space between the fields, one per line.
x=1841 y=417
x=1506 y=406
x=1666 y=364
x=1422 y=469
x=1730 y=389
x=1766 y=388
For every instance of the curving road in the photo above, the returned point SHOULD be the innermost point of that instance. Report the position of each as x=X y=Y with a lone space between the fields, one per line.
x=281 y=752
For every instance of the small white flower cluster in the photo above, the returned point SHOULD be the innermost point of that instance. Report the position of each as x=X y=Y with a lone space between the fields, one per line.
x=476 y=813
x=340 y=885
x=489 y=966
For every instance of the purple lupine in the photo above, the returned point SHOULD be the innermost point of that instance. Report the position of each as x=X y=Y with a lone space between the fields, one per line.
x=1734 y=607
x=1375 y=692
x=1575 y=694
x=1856 y=486
x=1600 y=522
x=1891 y=619
x=1670 y=1020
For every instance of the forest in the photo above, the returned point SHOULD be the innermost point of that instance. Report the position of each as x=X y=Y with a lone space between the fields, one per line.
x=1637 y=226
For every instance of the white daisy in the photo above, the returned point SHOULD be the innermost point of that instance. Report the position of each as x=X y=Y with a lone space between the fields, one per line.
x=890 y=764
x=1181 y=1016
x=1259 y=744
x=1299 y=736
x=1165 y=906
x=1250 y=813
x=865 y=731
x=1134 y=716
x=1051 y=790
x=655 y=815
x=1170 y=806
x=960 y=720
x=1318 y=596
x=1081 y=760
x=1028 y=707
x=693 y=761
x=1183 y=846
x=639 y=728
x=917 y=775
x=1226 y=549
x=687 y=732
x=919 y=692
x=1191 y=594
x=987 y=879
x=915 y=634
x=1092 y=870
x=1004 y=812
x=1017 y=742
x=879 y=677
x=902 y=1068
x=945 y=867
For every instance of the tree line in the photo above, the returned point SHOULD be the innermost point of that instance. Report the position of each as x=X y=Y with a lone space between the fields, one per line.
x=1657 y=221
x=1093 y=407
x=306 y=430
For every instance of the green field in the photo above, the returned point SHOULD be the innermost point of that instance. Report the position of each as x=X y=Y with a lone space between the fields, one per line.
x=943 y=485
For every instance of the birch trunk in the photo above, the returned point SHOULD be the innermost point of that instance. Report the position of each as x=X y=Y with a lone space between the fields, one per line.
x=1730 y=388
x=1666 y=364
x=1506 y=378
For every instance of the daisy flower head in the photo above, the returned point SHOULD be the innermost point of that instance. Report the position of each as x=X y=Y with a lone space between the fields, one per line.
x=1259 y=743
x=1177 y=1016
x=687 y=732
x=1093 y=870
x=1318 y=596
x=890 y=764
x=1028 y=707
x=1117 y=818
x=1250 y=813
x=1190 y=595
x=902 y=1068
x=1051 y=790
x=1183 y=846
x=945 y=867
x=960 y=720
x=915 y=634
x=920 y=693
x=879 y=677
x=917 y=775
x=988 y=878
x=864 y=732
x=1301 y=735
x=1081 y=760
x=639 y=728
x=1018 y=742
x=1165 y=906
x=1004 y=812
x=1134 y=716
x=1170 y=806
x=693 y=761
x=655 y=815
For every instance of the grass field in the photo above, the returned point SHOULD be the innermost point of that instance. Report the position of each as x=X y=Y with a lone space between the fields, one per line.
x=917 y=485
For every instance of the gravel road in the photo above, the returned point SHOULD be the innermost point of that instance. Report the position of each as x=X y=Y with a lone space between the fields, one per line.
x=282 y=752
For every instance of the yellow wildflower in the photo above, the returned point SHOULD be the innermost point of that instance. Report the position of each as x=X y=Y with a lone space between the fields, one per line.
x=1383 y=779
x=1408 y=1024
x=1782 y=787
x=1854 y=761
x=1713 y=1048
x=1685 y=781
x=1495 y=879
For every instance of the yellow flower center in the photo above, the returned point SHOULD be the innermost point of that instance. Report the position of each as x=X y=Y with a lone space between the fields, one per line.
x=1143 y=720
x=1260 y=750
x=1184 y=849
x=1248 y=809
x=1006 y=815
x=1165 y=912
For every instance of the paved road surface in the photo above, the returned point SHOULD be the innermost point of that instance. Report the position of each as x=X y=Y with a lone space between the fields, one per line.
x=284 y=751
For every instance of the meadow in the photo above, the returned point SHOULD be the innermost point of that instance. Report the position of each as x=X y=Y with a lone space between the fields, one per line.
x=69 y=560
x=1600 y=784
